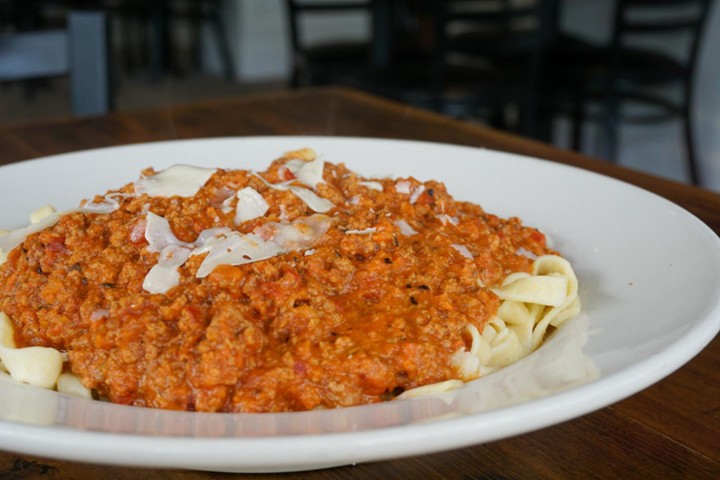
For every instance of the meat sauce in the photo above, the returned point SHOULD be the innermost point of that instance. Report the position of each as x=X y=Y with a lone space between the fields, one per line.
x=377 y=306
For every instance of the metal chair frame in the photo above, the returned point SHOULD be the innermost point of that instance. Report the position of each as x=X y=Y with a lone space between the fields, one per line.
x=619 y=87
x=301 y=64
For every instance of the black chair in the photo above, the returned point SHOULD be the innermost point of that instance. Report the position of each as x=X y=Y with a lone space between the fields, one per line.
x=509 y=39
x=79 y=51
x=621 y=73
x=327 y=62
x=151 y=22
x=416 y=55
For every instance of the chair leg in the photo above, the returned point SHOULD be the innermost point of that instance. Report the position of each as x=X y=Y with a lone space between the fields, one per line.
x=577 y=120
x=691 y=158
x=610 y=127
x=221 y=37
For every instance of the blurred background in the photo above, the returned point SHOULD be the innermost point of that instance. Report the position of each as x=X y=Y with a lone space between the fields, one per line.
x=631 y=81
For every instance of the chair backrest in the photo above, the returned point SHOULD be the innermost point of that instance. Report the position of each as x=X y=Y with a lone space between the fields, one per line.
x=297 y=8
x=638 y=18
x=79 y=51
x=525 y=27
x=528 y=23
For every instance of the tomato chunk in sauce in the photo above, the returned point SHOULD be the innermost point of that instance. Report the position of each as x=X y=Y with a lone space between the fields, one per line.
x=375 y=306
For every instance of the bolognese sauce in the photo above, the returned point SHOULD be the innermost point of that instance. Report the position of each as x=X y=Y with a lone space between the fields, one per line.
x=368 y=296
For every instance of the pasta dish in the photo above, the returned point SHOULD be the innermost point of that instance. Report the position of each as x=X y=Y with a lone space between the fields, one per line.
x=301 y=287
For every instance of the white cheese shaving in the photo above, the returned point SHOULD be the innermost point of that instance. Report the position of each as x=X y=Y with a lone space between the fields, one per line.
x=210 y=237
x=250 y=205
x=525 y=253
x=312 y=200
x=307 y=173
x=267 y=241
x=463 y=250
x=309 y=252
x=159 y=235
x=298 y=235
x=236 y=249
x=445 y=219
x=108 y=205
x=416 y=194
x=177 y=180
x=99 y=314
x=226 y=206
x=405 y=228
x=164 y=275
x=361 y=232
x=403 y=186
x=372 y=185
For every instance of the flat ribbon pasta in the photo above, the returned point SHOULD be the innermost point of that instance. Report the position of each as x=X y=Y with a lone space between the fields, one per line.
x=531 y=303
x=39 y=366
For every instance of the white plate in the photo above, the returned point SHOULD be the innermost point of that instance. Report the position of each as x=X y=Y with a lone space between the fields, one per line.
x=649 y=280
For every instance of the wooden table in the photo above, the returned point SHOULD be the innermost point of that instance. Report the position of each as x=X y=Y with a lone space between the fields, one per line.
x=668 y=431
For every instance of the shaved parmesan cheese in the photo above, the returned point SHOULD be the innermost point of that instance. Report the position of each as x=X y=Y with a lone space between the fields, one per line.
x=445 y=219
x=108 y=205
x=526 y=253
x=209 y=236
x=403 y=186
x=224 y=246
x=405 y=228
x=226 y=206
x=372 y=185
x=99 y=314
x=159 y=235
x=267 y=241
x=237 y=249
x=308 y=173
x=41 y=213
x=416 y=194
x=463 y=250
x=298 y=235
x=164 y=275
x=178 y=180
x=250 y=205
x=312 y=200
x=361 y=232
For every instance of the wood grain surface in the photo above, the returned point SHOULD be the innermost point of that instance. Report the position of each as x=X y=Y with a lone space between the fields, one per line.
x=670 y=430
